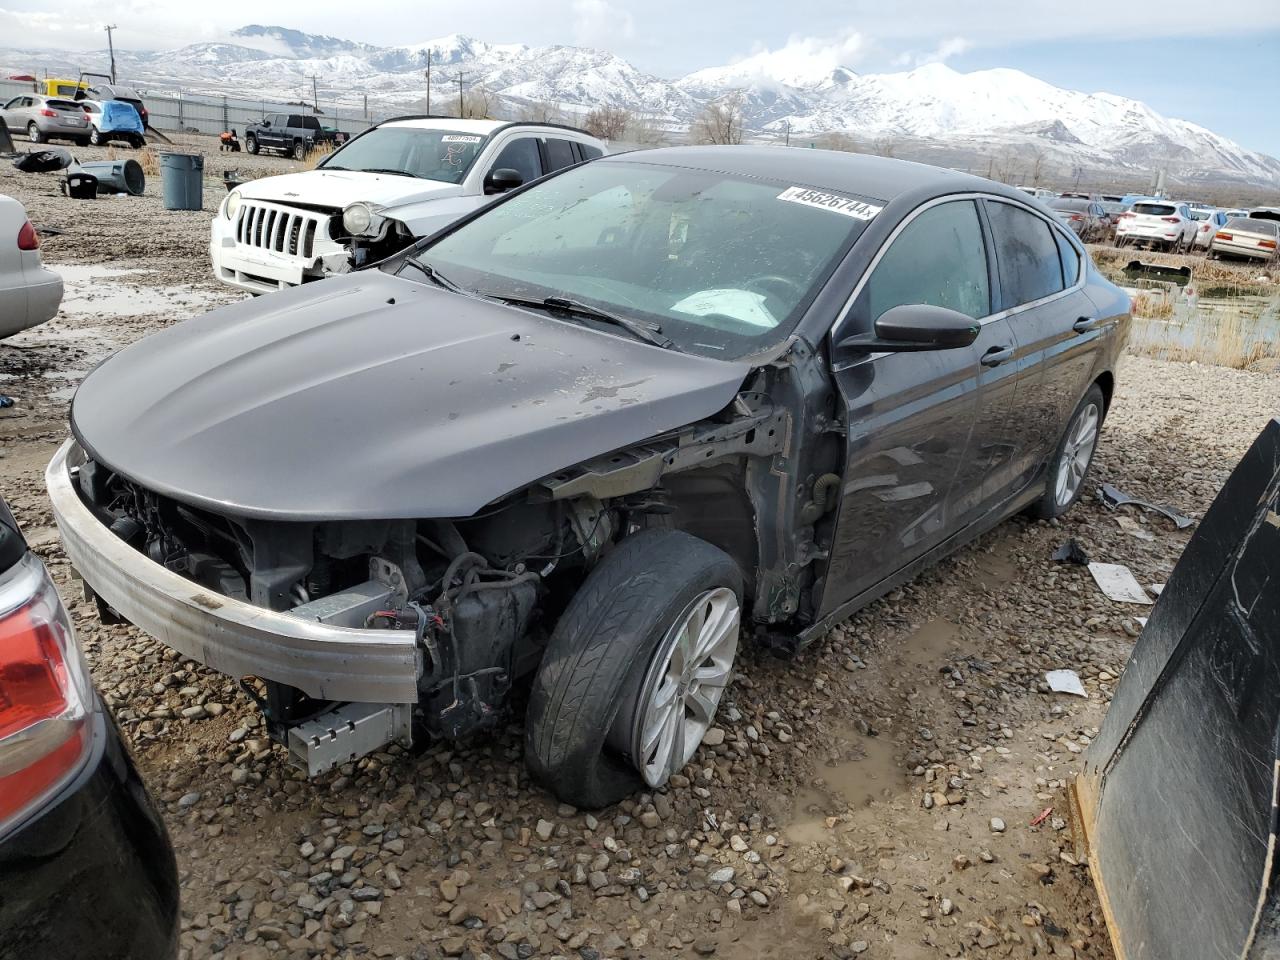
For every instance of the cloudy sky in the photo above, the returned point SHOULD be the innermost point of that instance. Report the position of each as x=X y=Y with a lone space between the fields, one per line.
x=1212 y=63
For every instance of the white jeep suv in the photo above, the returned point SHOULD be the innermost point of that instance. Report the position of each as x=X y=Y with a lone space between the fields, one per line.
x=393 y=184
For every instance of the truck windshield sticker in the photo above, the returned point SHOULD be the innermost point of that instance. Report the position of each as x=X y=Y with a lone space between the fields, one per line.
x=859 y=209
x=460 y=138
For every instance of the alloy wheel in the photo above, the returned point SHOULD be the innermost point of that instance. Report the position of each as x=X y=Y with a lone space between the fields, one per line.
x=1077 y=451
x=681 y=690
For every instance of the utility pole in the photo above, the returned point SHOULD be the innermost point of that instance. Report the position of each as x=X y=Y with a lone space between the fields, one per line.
x=112 y=47
x=315 y=93
x=461 y=108
x=428 y=80
x=788 y=143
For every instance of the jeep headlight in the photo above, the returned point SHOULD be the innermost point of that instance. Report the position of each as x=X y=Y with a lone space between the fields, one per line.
x=231 y=204
x=361 y=219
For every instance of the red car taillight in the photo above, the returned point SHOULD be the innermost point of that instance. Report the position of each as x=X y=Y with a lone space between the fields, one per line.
x=1171 y=219
x=27 y=237
x=47 y=113
x=1223 y=236
x=1126 y=216
x=44 y=691
x=1267 y=244
x=1076 y=216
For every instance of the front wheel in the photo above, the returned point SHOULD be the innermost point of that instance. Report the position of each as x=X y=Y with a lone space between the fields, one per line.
x=1071 y=462
x=251 y=143
x=635 y=669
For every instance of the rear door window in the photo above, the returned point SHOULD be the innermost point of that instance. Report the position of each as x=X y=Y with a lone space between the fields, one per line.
x=521 y=154
x=1027 y=255
x=559 y=154
x=295 y=120
x=939 y=259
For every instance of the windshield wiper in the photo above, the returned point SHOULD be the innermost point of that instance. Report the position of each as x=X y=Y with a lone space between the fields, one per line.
x=432 y=274
x=394 y=173
x=648 y=332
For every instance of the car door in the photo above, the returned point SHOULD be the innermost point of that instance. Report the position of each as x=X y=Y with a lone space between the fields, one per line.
x=914 y=418
x=1054 y=324
x=522 y=154
x=273 y=136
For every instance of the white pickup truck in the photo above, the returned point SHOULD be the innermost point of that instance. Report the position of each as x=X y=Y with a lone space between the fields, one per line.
x=393 y=184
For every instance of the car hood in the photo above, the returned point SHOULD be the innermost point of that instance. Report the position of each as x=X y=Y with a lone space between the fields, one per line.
x=338 y=188
x=372 y=396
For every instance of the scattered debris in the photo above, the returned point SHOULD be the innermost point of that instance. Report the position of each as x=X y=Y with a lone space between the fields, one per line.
x=1156 y=588
x=49 y=160
x=1118 y=583
x=6 y=141
x=79 y=185
x=1134 y=528
x=1065 y=681
x=1071 y=552
x=1042 y=817
x=1163 y=271
x=1111 y=498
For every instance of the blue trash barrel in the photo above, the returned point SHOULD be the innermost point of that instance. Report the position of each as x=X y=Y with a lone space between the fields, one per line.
x=183 y=177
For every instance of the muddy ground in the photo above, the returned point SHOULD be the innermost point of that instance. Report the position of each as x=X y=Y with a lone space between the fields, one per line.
x=872 y=797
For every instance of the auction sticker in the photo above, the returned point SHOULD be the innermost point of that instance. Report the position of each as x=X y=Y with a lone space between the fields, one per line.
x=460 y=138
x=834 y=202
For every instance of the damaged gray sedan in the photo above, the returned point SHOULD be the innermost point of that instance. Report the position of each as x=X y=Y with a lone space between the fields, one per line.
x=585 y=443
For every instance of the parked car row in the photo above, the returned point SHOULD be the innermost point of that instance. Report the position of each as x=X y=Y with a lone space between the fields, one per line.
x=83 y=121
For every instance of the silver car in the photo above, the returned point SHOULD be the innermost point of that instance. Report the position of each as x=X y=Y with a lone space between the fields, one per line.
x=46 y=118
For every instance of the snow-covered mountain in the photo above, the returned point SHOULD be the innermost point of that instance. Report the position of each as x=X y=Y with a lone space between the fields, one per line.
x=933 y=109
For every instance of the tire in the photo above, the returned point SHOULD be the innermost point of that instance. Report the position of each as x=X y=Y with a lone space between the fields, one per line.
x=607 y=649
x=1055 y=501
x=251 y=143
x=299 y=150
x=34 y=134
x=96 y=139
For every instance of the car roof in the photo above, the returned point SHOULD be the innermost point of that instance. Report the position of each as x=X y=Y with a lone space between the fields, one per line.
x=882 y=178
x=483 y=127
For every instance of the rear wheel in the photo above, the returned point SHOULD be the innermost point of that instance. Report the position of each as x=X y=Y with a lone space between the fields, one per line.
x=1071 y=462
x=34 y=134
x=96 y=138
x=635 y=669
x=251 y=143
x=299 y=150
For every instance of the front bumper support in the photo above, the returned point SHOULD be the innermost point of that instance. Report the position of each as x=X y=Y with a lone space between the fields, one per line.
x=233 y=637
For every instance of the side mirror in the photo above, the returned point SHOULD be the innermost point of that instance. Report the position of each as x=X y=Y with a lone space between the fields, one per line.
x=914 y=327
x=266 y=123
x=502 y=180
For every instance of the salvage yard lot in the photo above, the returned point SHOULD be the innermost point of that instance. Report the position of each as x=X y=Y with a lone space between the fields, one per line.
x=871 y=797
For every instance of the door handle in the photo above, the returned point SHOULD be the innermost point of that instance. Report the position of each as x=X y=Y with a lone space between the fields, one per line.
x=1085 y=324
x=996 y=356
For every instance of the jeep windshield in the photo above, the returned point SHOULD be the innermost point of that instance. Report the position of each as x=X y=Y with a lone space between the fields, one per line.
x=722 y=265
x=444 y=155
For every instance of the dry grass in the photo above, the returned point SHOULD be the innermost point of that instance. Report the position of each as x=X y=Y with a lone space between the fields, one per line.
x=150 y=161
x=1241 y=275
x=1152 y=305
x=318 y=153
x=1235 y=340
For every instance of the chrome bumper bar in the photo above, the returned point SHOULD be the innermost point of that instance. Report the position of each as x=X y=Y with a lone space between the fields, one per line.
x=230 y=636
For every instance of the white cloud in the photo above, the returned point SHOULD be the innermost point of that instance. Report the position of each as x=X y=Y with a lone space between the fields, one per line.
x=802 y=60
x=598 y=23
x=945 y=50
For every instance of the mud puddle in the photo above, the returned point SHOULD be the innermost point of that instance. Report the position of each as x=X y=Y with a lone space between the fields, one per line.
x=858 y=774
x=95 y=290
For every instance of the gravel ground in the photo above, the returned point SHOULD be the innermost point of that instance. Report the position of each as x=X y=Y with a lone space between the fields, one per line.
x=872 y=797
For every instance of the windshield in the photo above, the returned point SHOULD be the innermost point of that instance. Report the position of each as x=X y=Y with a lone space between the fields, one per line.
x=724 y=265
x=1154 y=209
x=444 y=155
